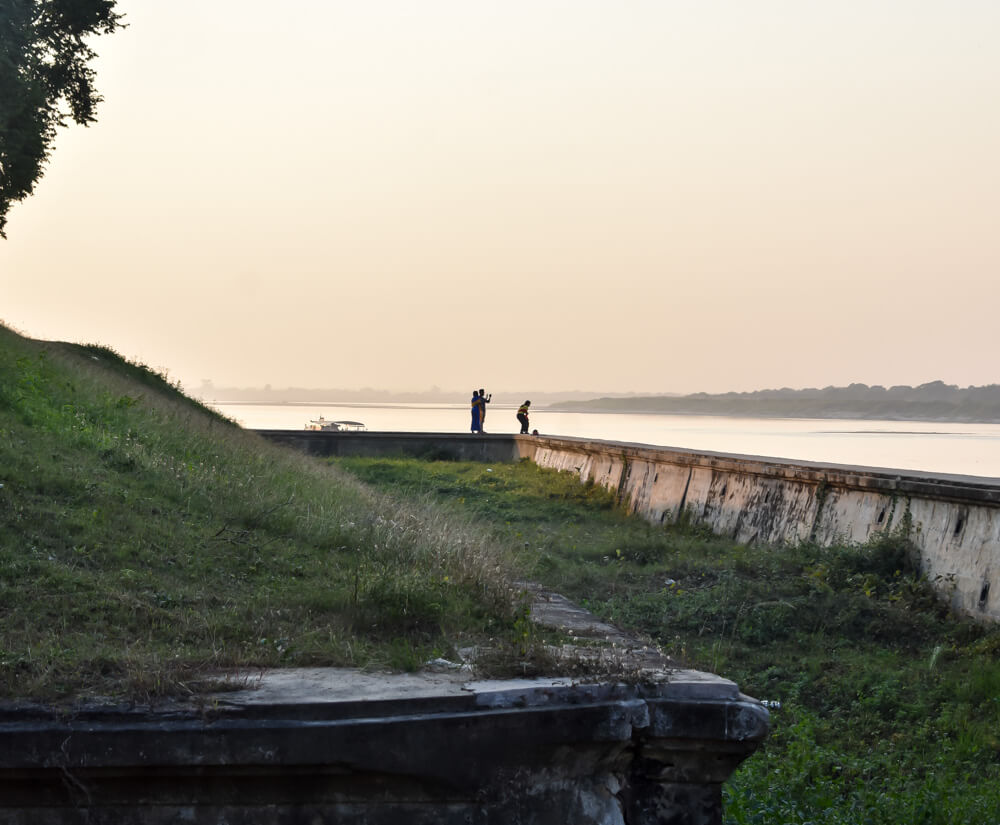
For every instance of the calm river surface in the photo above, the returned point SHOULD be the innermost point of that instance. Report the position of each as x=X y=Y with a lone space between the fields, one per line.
x=936 y=447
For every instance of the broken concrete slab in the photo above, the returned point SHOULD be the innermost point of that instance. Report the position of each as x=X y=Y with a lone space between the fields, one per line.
x=327 y=745
x=324 y=745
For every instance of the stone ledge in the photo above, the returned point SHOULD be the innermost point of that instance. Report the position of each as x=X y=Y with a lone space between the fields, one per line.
x=322 y=745
x=474 y=751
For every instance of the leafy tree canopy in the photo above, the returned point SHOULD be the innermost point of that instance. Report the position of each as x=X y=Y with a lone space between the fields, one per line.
x=45 y=81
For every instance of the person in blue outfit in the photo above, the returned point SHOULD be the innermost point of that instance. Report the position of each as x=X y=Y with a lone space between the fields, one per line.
x=477 y=425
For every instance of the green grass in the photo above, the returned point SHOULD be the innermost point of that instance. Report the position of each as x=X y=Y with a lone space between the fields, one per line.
x=146 y=542
x=890 y=707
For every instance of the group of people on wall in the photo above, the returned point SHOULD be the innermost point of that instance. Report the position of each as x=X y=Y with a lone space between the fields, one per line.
x=479 y=401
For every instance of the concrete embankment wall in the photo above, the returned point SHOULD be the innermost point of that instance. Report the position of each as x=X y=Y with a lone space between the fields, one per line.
x=954 y=521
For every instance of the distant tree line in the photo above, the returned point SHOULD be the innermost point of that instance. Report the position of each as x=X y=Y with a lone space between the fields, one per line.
x=935 y=401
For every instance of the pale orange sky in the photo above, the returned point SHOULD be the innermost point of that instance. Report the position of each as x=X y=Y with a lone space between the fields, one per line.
x=640 y=196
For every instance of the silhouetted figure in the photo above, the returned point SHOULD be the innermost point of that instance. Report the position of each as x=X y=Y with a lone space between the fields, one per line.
x=484 y=399
x=522 y=416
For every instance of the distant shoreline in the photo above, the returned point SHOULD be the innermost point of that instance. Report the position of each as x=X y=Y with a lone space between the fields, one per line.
x=935 y=401
x=596 y=410
x=838 y=415
x=396 y=405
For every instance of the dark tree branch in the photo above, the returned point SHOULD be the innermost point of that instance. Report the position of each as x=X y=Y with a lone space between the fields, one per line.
x=45 y=82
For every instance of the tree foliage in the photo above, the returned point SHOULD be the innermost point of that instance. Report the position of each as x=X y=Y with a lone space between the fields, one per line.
x=45 y=82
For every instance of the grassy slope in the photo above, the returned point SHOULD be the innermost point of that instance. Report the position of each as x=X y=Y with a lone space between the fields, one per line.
x=145 y=541
x=890 y=707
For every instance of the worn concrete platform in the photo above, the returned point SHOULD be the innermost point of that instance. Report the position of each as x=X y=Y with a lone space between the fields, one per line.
x=325 y=745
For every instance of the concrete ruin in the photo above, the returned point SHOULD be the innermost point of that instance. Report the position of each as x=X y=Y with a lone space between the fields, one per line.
x=346 y=747
x=324 y=745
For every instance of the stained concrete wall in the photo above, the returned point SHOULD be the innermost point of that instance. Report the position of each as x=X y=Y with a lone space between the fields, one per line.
x=953 y=521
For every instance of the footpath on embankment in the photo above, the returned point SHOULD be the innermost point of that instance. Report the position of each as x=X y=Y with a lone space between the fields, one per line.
x=951 y=520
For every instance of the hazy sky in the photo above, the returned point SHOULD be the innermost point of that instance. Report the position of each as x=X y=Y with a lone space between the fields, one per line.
x=651 y=196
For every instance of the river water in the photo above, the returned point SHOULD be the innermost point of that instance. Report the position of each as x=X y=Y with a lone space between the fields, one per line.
x=935 y=447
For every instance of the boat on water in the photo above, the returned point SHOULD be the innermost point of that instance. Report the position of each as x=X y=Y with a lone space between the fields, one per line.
x=323 y=425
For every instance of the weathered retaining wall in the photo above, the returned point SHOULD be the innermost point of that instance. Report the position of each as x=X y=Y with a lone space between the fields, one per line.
x=954 y=521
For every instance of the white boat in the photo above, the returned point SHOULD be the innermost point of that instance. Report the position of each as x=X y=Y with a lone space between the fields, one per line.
x=323 y=425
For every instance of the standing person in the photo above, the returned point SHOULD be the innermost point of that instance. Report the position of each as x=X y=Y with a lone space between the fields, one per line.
x=484 y=399
x=477 y=421
x=522 y=416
